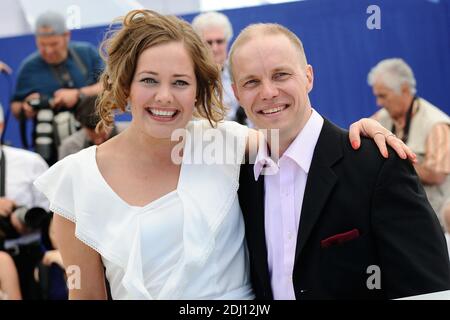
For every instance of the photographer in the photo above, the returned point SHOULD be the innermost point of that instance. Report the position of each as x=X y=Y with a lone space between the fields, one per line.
x=88 y=118
x=21 y=212
x=52 y=80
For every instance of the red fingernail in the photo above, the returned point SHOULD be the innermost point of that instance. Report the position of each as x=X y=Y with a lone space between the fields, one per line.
x=355 y=144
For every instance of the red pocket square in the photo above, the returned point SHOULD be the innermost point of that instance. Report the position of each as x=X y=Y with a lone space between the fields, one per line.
x=339 y=238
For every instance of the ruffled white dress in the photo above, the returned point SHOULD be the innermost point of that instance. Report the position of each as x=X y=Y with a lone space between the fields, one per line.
x=188 y=244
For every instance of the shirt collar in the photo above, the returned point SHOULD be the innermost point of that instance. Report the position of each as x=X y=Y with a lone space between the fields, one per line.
x=301 y=150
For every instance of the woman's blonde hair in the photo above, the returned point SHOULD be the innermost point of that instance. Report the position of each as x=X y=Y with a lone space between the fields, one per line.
x=140 y=30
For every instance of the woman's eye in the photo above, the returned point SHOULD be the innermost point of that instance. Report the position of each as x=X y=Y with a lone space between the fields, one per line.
x=148 y=80
x=181 y=83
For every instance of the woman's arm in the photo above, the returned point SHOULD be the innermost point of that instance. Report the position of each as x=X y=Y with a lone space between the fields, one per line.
x=84 y=268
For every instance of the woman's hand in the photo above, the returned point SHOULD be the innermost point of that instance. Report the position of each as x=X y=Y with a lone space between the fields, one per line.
x=373 y=129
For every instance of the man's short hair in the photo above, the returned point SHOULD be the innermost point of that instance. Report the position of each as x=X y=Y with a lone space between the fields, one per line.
x=51 y=20
x=393 y=73
x=266 y=29
x=86 y=112
x=213 y=19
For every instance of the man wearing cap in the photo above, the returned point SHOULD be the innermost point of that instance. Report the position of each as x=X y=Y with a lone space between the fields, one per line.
x=87 y=136
x=61 y=71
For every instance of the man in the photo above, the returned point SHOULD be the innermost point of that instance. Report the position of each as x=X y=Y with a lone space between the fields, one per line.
x=87 y=136
x=421 y=125
x=215 y=29
x=19 y=169
x=57 y=76
x=331 y=222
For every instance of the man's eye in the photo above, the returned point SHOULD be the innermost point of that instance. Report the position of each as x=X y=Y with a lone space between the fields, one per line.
x=281 y=75
x=250 y=83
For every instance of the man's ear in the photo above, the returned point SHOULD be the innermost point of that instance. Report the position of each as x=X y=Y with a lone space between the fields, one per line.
x=235 y=91
x=309 y=77
x=406 y=91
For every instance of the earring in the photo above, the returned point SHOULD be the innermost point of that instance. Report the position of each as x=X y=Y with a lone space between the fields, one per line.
x=128 y=107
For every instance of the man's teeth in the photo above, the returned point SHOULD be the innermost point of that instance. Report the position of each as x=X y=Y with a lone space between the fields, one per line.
x=273 y=110
x=162 y=113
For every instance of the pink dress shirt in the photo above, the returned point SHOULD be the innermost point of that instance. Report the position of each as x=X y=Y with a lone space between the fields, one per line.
x=284 y=184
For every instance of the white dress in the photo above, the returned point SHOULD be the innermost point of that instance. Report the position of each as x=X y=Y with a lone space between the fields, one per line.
x=188 y=244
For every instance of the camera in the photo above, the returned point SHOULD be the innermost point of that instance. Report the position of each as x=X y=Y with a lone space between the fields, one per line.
x=34 y=218
x=43 y=102
x=44 y=128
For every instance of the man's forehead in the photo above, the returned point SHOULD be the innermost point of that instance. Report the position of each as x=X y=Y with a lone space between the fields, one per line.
x=213 y=32
x=272 y=43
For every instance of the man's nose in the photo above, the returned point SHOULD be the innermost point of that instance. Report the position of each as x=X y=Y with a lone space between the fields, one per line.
x=268 y=90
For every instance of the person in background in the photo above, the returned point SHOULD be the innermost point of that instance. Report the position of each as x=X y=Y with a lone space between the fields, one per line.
x=88 y=136
x=216 y=30
x=9 y=280
x=421 y=125
x=5 y=68
x=54 y=79
x=20 y=201
x=445 y=217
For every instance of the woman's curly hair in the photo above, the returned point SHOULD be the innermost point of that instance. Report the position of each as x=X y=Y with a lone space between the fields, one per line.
x=142 y=29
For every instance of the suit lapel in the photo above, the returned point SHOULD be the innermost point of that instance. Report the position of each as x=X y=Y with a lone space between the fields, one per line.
x=320 y=183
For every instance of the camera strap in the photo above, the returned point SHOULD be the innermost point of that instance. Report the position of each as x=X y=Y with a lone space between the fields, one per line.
x=62 y=74
x=2 y=175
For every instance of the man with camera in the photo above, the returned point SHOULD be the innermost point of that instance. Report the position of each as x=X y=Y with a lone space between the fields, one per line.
x=53 y=80
x=22 y=212
x=88 y=136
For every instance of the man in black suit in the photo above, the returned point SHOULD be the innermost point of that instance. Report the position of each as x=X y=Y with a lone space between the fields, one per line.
x=325 y=222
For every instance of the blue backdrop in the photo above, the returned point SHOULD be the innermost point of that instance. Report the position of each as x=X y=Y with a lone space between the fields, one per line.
x=338 y=44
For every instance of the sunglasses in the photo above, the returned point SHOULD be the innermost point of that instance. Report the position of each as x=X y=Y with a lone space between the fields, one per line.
x=217 y=41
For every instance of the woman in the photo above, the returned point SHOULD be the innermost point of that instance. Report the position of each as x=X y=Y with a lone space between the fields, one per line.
x=162 y=229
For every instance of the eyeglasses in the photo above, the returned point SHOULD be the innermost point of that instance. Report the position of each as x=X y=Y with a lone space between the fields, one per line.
x=217 y=41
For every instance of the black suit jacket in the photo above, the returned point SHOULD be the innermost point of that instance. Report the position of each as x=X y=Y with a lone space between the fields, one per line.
x=359 y=210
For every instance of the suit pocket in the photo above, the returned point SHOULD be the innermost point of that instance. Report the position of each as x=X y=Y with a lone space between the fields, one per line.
x=339 y=238
x=343 y=267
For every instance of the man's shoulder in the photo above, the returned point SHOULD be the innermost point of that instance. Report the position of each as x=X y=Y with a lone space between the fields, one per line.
x=84 y=49
x=336 y=138
x=81 y=45
x=33 y=60
x=73 y=143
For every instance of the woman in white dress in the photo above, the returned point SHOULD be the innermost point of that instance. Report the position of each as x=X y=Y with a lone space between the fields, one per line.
x=160 y=228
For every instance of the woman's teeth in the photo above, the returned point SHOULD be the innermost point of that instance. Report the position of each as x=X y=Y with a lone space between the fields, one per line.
x=162 y=113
